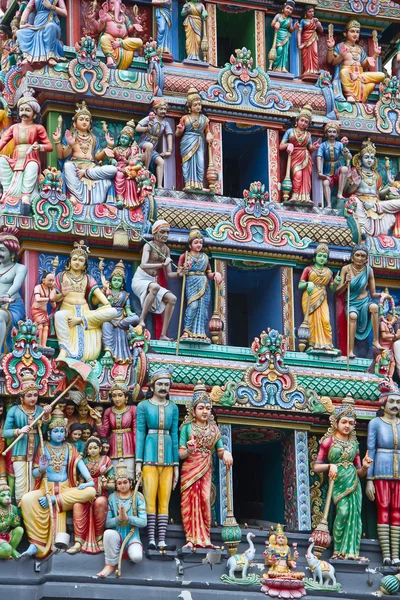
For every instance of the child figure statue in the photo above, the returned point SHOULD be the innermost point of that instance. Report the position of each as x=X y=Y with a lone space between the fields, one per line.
x=44 y=293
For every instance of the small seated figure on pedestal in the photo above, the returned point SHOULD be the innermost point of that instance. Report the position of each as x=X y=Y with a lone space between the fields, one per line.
x=280 y=560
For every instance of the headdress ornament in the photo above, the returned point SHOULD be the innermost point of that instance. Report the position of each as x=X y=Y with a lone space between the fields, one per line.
x=121 y=470
x=9 y=234
x=129 y=129
x=330 y=124
x=80 y=249
x=306 y=112
x=193 y=95
x=353 y=24
x=82 y=109
x=346 y=410
x=200 y=395
x=28 y=96
x=290 y=3
x=322 y=247
x=367 y=146
x=57 y=419
x=159 y=101
x=195 y=234
x=4 y=487
x=159 y=224
x=119 y=384
x=162 y=373
x=119 y=270
x=28 y=382
x=388 y=388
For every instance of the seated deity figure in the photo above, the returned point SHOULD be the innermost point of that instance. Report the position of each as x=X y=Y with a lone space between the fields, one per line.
x=375 y=216
x=351 y=80
x=115 y=29
x=19 y=175
x=85 y=180
x=61 y=464
x=78 y=328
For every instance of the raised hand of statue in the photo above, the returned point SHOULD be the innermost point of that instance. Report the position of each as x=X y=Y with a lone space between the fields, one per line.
x=377 y=49
x=330 y=42
x=332 y=471
x=138 y=27
x=296 y=25
x=316 y=144
x=110 y=140
x=191 y=444
x=71 y=139
x=122 y=516
x=344 y=141
x=57 y=135
x=94 y=414
x=43 y=463
x=371 y=62
x=367 y=461
x=47 y=4
x=47 y=409
x=370 y=490
x=337 y=279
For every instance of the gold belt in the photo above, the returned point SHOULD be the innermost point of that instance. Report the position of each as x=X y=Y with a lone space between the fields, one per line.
x=195 y=273
x=345 y=464
x=126 y=430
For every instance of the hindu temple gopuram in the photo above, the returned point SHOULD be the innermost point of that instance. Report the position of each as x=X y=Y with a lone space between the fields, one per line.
x=199 y=299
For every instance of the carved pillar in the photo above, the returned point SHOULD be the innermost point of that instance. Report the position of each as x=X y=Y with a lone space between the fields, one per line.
x=216 y=130
x=226 y=436
x=289 y=480
x=288 y=305
x=221 y=266
x=74 y=21
x=302 y=481
x=261 y=53
x=273 y=165
x=212 y=33
x=294 y=56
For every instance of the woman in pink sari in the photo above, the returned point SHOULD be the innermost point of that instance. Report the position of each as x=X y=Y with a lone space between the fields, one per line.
x=298 y=144
x=90 y=518
x=198 y=438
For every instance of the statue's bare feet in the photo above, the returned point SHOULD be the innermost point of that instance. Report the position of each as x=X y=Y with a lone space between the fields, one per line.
x=52 y=62
x=25 y=198
x=63 y=354
x=72 y=321
x=352 y=355
x=74 y=549
x=350 y=99
x=142 y=323
x=189 y=545
x=377 y=345
x=108 y=570
x=165 y=338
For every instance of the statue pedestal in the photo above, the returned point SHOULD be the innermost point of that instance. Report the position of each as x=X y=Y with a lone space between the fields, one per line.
x=299 y=206
x=196 y=63
x=161 y=554
x=331 y=353
x=310 y=77
x=280 y=75
x=283 y=588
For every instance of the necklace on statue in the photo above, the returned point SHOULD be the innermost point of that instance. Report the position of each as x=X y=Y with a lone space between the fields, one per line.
x=84 y=142
x=74 y=279
x=56 y=458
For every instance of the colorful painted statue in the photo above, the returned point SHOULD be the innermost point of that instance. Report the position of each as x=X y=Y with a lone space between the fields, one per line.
x=85 y=180
x=40 y=41
x=383 y=480
x=114 y=333
x=298 y=144
x=195 y=18
x=90 y=517
x=115 y=29
x=6 y=44
x=278 y=556
x=154 y=129
x=3 y=464
x=163 y=16
x=119 y=423
x=374 y=216
x=129 y=160
x=19 y=175
x=339 y=455
x=153 y=297
x=327 y=158
x=195 y=131
x=78 y=328
x=84 y=413
x=18 y=420
x=314 y=281
x=284 y=27
x=358 y=279
x=11 y=530
x=12 y=277
x=126 y=516
x=195 y=265
x=307 y=41
x=199 y=437
x=59 y=463
x=43 y=294
x=353 y=82
x=157 y=456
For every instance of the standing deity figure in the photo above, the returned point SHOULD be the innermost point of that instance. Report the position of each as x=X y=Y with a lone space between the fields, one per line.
x=314 y=281
x=44 y=510
x=126 y=516
x=40 y=41
x=352 y=81
x=359 y=281
x=78 y=328
x=6 y=44
x=163 y=14
x=298 y=144
x=195 y=19
x=18 y=420
x=307 y=41
x=119 y=424
x=196 y=266
x=85 y=180
x=19 y=175
x=157 y=456
x=283 y=25
x=43 y=294
x=194 y=129
x=199 y=437
x=339 y=455
x=11 y=530
x=327 y=158
x=90 y=517
x=12 y=277
x=115 y=29
x=374 y=216
x=383 y=479
x=114 y=333
x=153 y=130
x=153 y=297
